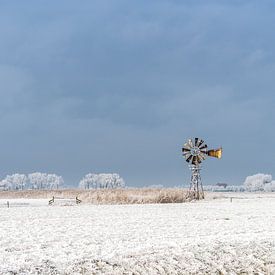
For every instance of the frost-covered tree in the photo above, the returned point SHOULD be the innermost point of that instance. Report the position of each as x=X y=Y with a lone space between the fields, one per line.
x=45 y=181
x=15 y=181
x=258 y=182
x=38 y=180
x=89 y=181
x=117 y=181
x=8 y=182
x=53 y=181
x=4 y=185
x=105 y=181
x=102 y=180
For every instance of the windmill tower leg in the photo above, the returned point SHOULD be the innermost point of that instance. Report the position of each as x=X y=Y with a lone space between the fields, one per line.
x=196 y=190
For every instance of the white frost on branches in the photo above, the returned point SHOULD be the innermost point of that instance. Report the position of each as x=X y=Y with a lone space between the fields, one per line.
x=33 y=181
x=259 y=182
x=14 y=182
x=45 y=181
x=96 y=181
x=54 y=181
x=89 y=181
x=37 y=180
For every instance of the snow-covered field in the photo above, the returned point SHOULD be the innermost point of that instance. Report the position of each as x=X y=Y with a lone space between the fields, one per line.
x=211 y=236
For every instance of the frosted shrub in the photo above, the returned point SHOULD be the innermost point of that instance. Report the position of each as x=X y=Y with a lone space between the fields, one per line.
x=269 y=187
x=258 y=182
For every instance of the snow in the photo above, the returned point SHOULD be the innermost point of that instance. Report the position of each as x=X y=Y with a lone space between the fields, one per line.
x=23 y=202
x=192 y=238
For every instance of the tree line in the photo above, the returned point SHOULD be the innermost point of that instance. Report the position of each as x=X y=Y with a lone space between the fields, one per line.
x=256 y=183
x=35 y=180
x=44 y=181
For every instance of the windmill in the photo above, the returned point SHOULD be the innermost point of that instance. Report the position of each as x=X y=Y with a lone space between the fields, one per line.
x=195 y=151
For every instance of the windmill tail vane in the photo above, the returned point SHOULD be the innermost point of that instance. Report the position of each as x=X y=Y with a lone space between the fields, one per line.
x=216 y=153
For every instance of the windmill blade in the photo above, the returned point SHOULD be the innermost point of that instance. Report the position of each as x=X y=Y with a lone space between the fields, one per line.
x=195 y=160
x=187 y=155
x=196 y=141
x=200 y=159
x=200 y=143
x=186 y=145
x=203 y=147
x=189 y=158
x=190 y=143
x=186 y=149
x=204 y=152
x=202 y=156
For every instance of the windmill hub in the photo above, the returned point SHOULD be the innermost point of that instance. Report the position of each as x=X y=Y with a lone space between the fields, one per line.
x=195 y=151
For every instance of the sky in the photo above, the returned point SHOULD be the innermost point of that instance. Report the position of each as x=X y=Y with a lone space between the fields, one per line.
x=119 y=86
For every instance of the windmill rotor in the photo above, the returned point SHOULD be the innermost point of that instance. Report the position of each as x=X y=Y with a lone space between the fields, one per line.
x=194 y=151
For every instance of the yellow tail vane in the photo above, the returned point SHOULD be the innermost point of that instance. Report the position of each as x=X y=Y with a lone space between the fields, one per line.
x=215 y=153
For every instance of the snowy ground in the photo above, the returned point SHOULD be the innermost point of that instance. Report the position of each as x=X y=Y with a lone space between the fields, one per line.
x=212 y=236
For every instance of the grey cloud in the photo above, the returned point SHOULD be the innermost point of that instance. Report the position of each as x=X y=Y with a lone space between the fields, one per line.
x=119 y=85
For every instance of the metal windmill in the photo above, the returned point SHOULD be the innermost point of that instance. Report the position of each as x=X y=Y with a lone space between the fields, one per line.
x=195 y=151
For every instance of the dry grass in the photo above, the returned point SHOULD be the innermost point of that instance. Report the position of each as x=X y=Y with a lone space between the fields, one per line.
x=106 y=196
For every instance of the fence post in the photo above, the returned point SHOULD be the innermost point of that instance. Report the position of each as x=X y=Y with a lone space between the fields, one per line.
x=8 y=204
x=78 y=200
x=51 y=201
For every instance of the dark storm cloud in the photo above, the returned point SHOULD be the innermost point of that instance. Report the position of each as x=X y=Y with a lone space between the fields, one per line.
x=119 y=85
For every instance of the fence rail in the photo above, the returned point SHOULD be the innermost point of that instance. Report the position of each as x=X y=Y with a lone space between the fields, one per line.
x=65 y=201
x=9 y=204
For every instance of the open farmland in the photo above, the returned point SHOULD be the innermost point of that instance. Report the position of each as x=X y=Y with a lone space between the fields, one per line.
x=211 y=236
